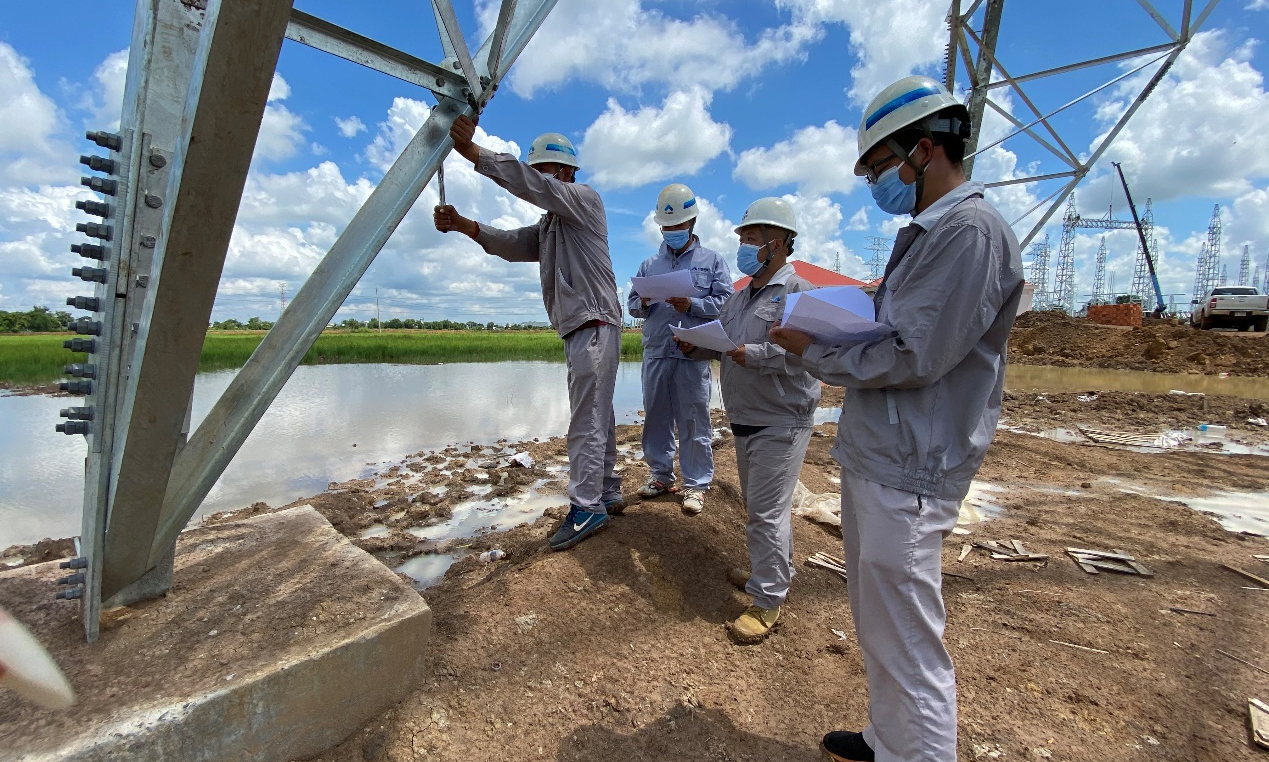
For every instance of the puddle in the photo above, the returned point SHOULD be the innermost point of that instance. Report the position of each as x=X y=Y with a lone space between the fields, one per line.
x=374 y=530
x=827 y=415
x=1188 y=440
x=426 y=570
x=1236 y=511
x=978 y=505
x=1047 y=379
x=480 y=516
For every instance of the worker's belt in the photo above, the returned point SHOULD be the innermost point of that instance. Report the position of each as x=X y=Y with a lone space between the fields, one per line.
x=742 y=430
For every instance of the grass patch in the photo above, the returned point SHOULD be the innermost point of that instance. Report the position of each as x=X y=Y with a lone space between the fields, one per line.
x=39 y=358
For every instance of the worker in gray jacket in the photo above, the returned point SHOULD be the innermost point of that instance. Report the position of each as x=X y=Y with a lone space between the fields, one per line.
x=676 y=390
x=570 y=243
x=919 y=413
x=770 y=403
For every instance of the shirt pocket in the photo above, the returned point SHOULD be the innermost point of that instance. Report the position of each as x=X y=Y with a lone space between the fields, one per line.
x=769 y=311
x=701 y=279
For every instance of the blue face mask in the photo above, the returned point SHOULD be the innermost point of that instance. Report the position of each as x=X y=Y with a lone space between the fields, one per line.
x=892 y=195
x=676 y=239
x=747 y=259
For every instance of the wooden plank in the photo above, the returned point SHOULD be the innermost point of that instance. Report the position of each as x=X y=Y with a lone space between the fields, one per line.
x=1180 y=610
x=1018 y=547
x=1114 y=566
x=1080 y=562
x=965 y=550
x=1015 y=557
x=1137 y=566
x=830 y=567
x=1258 y=580
x=1241 y=660
x=1119 y=556
x=1082 y=648
x=1259 y=712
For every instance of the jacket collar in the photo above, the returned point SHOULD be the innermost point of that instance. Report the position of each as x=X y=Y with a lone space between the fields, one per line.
x=781 y=277
x=931 y=216
x=665 y=250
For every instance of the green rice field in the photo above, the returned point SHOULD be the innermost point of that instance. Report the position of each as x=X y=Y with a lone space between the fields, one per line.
x=32 y=359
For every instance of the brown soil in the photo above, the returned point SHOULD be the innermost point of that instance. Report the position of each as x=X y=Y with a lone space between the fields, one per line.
x=616 y=649
x=1053 y=338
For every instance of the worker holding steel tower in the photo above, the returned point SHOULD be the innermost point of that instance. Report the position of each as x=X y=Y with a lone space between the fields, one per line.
x=570 y=245
x=920 y=412
x=676 y=389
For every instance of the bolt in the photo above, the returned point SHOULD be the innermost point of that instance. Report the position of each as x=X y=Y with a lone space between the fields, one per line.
x=90 y=303
x=96 y=208
x=76 y=414
x=84 y=325
x=80 y=345
x=89 y=251
x=100 y=184
x=148 y=241
x=94 y=230
x=143 y=281
x=72 y=579
x=79 y=562
x=81 y=370
x=91 y=274
x=105 y=139
x=440 y=82
x=75 y=387
x=98 y=164
x=70 y=595
x=157 y=161
x=154 y=202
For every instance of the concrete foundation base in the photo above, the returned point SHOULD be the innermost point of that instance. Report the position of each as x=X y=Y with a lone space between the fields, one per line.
x=278 y=639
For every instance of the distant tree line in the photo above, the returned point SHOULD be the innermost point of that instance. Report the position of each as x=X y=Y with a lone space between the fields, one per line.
x=352 y=324
x=35 y=319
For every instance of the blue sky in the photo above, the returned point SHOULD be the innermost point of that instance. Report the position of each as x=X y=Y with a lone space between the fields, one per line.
x=738 y=99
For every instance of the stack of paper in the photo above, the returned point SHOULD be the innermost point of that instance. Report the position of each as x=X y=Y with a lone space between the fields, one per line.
x=836 y=316
x=710 y=336
x=658 y=288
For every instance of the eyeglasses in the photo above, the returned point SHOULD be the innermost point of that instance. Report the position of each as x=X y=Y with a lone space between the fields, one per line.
x=874 y=170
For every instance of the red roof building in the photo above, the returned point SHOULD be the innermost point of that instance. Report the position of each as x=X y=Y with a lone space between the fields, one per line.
x=818 y=276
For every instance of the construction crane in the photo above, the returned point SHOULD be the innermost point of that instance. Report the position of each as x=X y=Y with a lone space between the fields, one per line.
x=1145 y=245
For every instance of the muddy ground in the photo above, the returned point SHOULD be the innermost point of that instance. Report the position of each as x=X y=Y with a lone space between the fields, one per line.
x=616 y=649
x=1161 y=346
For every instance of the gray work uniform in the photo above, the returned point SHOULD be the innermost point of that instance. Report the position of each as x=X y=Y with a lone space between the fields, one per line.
x=570 y=243
x=676 y=389
x=770 y=403
x=920 y=411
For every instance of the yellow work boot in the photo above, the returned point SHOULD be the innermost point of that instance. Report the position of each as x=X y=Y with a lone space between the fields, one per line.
x=754 y=625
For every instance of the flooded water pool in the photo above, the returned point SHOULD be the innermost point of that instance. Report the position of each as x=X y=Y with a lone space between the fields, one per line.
x=1046 y=379
x=330 y=423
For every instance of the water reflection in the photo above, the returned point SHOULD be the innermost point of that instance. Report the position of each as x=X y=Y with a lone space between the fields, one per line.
x=1041 y=378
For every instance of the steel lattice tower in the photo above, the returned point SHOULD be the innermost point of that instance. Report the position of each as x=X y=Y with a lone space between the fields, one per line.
x=1244 y=267
x=880 y=248
x=1099 y=275
x=1224 y=275
x=1200 y=273
x=1142 y=286
x=1040 y=273
x=1064 y=278
x=1213 y=274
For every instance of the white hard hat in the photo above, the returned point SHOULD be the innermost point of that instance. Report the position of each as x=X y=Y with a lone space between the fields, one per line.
x=676 y=203
x=552 y=147
x=904 y=104
x=775 y=212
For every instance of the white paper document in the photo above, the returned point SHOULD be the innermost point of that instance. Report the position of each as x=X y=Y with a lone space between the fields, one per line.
x=709 y=336
x=837 y=315
x=661 y=287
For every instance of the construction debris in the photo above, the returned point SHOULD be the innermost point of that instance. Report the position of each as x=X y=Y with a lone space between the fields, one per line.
x=1093 y=561
x=1241 y=660
x=1179 y=610
x=1259 y=712
x=1129 y=439
x=1258 y=580
x=1082 y=648
x=1014 y=551
x=832 y=563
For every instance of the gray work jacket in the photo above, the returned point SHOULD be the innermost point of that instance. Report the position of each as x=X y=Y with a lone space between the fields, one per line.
x=570 y=243
x=771 y=389
x=921 y=406
x=713 y=286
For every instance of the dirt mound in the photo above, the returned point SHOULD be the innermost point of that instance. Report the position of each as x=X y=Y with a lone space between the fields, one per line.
x=1052 y=338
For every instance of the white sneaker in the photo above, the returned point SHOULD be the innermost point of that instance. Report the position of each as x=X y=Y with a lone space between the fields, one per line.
x=654 y=487
x=693 y=500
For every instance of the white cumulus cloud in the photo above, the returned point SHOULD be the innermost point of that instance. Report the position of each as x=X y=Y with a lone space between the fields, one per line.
x=350 y=127
x=817 y=160
x=630 y=148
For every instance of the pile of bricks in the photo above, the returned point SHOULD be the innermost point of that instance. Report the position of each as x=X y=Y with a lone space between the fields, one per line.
x=1116 y=314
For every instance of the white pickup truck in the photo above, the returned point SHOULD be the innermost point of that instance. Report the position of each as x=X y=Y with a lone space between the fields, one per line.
x=1241 y=307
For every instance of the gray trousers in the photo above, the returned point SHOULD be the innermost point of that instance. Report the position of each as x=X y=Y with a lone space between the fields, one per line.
x=893 y=542
x=676 y=396
x=592 y=355
x=769 y=463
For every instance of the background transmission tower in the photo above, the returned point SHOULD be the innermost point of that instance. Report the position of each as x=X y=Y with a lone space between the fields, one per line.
x=1040 y=273
x=1064 y=279
x=1142 y=286
x=1244 y=267
x=1099 y=276
x=1224 y=275
x=880 y=248
x=1200 y=273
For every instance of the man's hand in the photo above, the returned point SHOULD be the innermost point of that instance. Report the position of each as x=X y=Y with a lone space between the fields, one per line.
x=680 y=303
x=738 y=355
x=461 y=132
x=446 y=219
x=684 y=347
x=793 y=341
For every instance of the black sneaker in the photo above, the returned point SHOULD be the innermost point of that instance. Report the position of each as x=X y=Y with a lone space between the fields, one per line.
x=845 y=746
x=577 y=526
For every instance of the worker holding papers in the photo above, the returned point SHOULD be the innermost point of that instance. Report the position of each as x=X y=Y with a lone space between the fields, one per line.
x=684 y=284
x=836 y=316
x=770 y=402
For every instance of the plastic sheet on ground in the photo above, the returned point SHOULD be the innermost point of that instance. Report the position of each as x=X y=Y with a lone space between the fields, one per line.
x=824 y=508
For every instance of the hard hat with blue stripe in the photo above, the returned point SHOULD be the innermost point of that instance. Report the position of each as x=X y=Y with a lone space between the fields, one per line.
x=904 y=104
x=552 y=147
x=676 y=203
